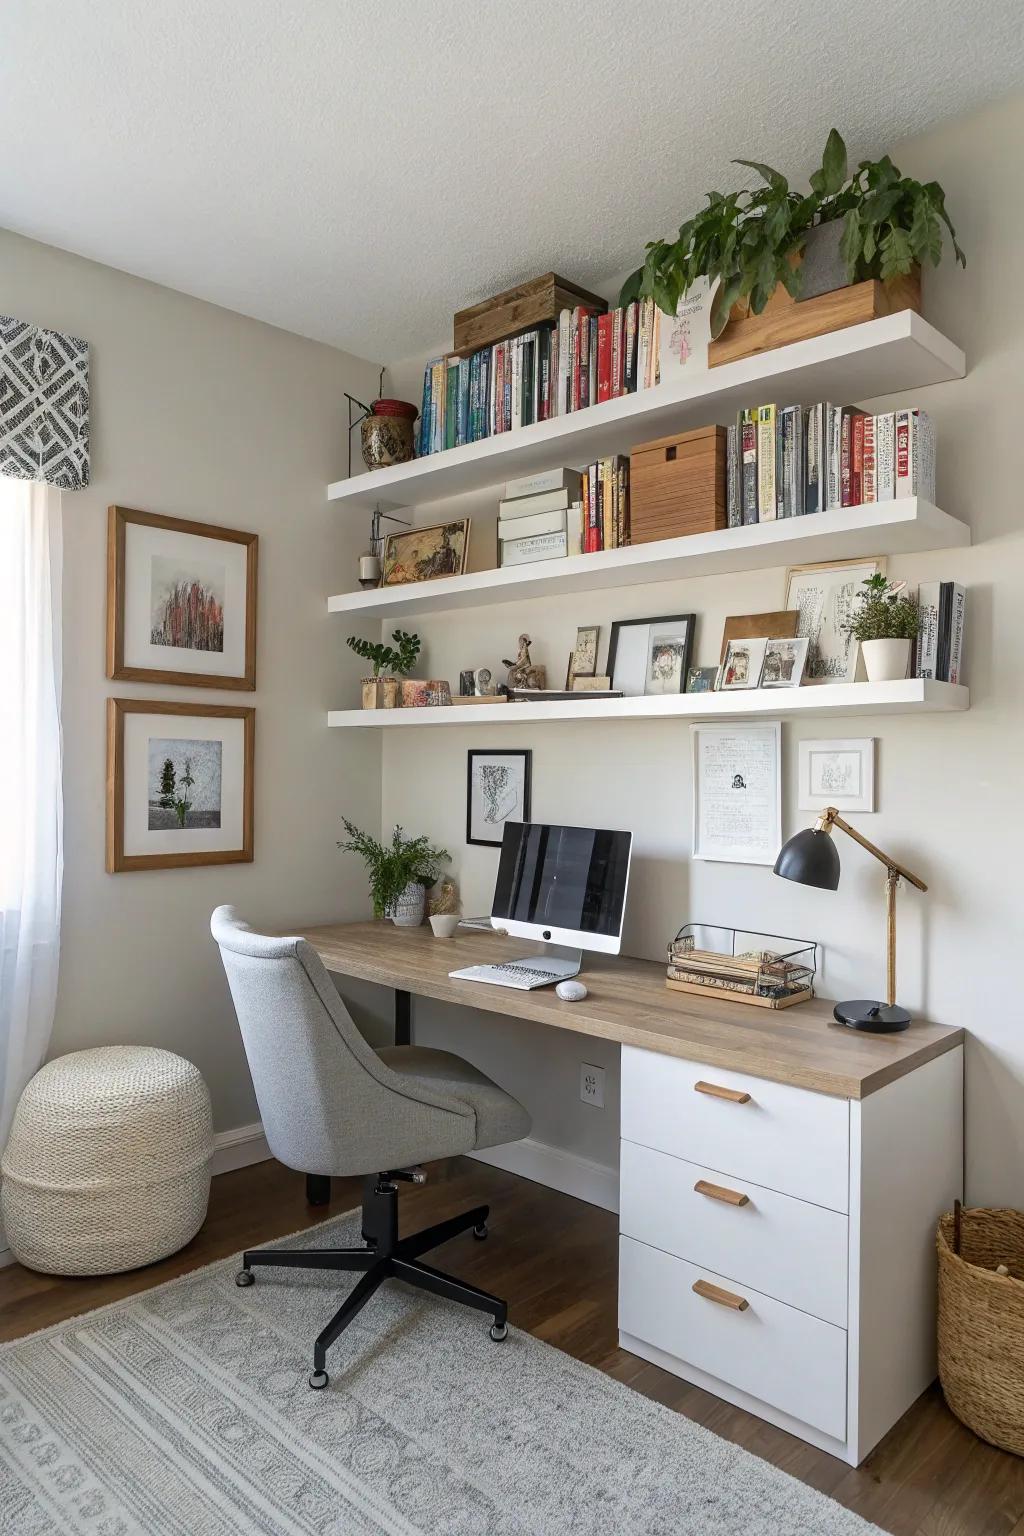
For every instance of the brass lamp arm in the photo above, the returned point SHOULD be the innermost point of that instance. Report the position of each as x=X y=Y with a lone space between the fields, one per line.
x=830 y=818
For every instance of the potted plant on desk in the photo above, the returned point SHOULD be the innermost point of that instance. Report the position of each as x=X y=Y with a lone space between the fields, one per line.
x=399 y=872
x=382 y=690
x=886 y=624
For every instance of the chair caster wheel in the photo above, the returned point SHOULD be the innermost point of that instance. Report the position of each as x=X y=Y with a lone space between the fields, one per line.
x=480 y=1231
x=245 y=1277
x=499 y=1332
x=318 y=1380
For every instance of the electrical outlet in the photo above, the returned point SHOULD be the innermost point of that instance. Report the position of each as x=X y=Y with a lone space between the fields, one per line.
x=592 y=1084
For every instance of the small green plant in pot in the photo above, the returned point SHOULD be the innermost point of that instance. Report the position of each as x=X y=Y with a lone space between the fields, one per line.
x=389 y=662
x=886 y=624
x=399 y=872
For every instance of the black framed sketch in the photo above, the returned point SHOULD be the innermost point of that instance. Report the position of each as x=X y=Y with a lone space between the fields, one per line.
x=497 y=791
x=651 y=655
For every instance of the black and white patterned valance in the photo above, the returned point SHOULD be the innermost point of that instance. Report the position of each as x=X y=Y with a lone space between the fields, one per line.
x=44 y=405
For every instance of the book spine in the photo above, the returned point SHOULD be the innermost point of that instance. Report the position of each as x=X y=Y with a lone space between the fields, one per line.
x=748 y=458
x=856 y=460
x=766 y=508
x=517 y=383
x=904 y=455
x=869 y=479
x=845 y=458
x=543 y=546
x=574 y=529
x=885 y=456
x=625 y=535
x=608 y=540
x=643 y=354
x=734 y=510
x=423 y=434
x=618 y=341
x=604 y=357
x=945 y=630
x=833 y=479
x=592 y=362
x=956 y=639
x=928 y=630
x=629 y=359
x=486 y=358
x=799 y=460
x=437 y=409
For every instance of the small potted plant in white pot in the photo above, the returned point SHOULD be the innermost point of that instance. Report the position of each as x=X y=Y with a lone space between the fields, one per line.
x=389 y=664
x=399 y=872
x=886 y=624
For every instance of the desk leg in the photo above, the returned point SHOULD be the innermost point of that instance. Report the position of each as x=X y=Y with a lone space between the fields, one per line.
x=318 y=1189
x=403 y=1017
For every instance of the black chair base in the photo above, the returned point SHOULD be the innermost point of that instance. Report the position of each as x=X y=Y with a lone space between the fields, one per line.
x=384 y=1256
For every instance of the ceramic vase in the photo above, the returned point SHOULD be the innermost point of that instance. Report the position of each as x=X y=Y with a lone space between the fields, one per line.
x=390 y=692
x=885 y=661
x=410 y=906
x=444 y=924
x=387 y=434
x=371 y=692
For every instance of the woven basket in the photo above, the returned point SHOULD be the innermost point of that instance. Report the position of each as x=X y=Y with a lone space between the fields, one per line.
x=108 y=1163
x=981 y=1323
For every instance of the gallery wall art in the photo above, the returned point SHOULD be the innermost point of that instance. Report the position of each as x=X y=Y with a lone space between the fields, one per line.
x=44 y=405
x=179 y=784
x=181 y=601
x=497 y=791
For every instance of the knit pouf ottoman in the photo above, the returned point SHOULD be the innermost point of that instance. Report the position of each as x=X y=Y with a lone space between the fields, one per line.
x=108 y=1162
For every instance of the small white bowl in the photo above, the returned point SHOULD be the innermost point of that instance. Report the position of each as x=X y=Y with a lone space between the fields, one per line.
x=444 y=924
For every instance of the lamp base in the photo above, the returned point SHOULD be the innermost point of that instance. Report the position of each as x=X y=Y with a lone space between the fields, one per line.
x=876 y=1018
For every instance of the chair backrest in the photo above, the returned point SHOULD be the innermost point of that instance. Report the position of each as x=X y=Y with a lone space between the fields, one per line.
x=328 y=1102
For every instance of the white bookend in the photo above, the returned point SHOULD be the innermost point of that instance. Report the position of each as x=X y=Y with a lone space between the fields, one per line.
x=928 y=629
x=529 y=527
x=545 y=546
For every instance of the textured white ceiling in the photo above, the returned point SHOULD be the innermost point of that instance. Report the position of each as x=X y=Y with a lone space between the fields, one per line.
x=356 y=172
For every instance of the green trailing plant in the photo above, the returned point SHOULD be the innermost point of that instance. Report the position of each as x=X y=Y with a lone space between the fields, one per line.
x=886 y=611
x=392 y=866
x=746 y=242
x=397 y=659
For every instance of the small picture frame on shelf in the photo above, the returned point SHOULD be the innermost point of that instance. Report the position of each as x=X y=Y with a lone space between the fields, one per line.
x=742 y=665
x=837 y=773
x=650 y=656
x=583 y=661
x=426 y=554
x=702 y=679
x=784 y=662
x=497 y=791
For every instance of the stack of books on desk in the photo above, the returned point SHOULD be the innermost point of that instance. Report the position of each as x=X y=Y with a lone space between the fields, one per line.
x=541 y=517
x=761 y=977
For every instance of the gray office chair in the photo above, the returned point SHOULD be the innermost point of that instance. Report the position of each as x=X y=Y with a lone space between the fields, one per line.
x=333 y=1105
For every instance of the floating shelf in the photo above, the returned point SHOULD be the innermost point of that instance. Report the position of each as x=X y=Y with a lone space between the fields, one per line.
x=885 y=356
x=912 y=696
x=879 y=528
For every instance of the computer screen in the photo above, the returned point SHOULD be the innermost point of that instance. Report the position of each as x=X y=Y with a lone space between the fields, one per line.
x=563 y=883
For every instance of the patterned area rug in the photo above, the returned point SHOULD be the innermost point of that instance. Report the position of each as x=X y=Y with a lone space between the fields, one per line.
x=185 y=1412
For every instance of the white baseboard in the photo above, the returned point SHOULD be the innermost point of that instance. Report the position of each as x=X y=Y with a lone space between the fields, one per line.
x=239 y=1148
x=593 y=1182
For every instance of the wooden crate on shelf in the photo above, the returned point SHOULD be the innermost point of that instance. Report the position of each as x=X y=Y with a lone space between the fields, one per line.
x=538 y=302
x=677 y=485
x=784 y=319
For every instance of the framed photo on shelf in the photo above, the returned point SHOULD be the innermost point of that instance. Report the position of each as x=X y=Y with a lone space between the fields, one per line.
x=702 y=679
x=839 y=773
x=784 y=663
x=426 y=554
x=737 y=792
x=497 y=791
x=647 y=656
x=742 y=665
x=181 y=601
x=584 y=656
x=179 y=784
x=824 y=598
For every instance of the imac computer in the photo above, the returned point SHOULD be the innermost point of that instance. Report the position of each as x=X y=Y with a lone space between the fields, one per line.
x=565 y=886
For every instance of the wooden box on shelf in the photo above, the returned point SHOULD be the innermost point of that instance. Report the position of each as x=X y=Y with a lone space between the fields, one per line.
x=785 y=319
x=677 y=485
x=537 y=302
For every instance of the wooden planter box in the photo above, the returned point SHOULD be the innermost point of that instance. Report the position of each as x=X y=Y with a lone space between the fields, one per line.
x=538 y=302
x=677 y=485
x=785 y=319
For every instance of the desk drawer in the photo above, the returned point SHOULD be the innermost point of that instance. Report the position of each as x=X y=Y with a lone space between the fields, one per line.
x=781 y=1356
x=785 y=1248
x=782 y=1138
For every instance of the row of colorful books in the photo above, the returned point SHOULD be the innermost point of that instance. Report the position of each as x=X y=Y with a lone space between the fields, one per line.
x=786 y=461
x=565 y=512
x=548 y=372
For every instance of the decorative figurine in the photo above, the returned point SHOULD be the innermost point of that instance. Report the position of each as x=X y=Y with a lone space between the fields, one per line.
x=483 y=687
x=522 y=673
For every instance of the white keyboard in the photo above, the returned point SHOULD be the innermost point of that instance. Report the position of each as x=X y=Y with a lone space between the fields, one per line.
x=525 y=975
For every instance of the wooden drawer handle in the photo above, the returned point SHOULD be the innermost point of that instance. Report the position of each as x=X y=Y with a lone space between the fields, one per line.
x=719 y=1192
x=717 y=1092
x=724 y=1298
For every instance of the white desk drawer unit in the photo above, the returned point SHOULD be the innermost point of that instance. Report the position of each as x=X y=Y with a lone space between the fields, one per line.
x=786 y=1248
x=777 y=1243
x=781 y=1137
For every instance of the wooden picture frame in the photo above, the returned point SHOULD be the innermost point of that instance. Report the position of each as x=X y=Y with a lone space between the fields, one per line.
x=119 y=521
x=408 y=542
x=627 y=683
x=119 y=861
x=781 y=624
x=527 y=768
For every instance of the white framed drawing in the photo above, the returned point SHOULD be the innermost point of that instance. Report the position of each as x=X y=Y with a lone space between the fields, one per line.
x=784 y=663
x=742 y=665
x=839 y=773
x=825 y=597
x=497 y=791
x=737 y=792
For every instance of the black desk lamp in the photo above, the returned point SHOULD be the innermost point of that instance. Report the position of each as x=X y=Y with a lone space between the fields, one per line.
x=811 y=858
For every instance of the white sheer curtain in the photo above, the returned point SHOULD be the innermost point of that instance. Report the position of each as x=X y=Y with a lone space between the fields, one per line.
x=31 y=813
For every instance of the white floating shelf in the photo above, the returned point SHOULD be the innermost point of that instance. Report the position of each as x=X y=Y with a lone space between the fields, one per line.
x=879 y=528
x=912 y=696
x=885 y=356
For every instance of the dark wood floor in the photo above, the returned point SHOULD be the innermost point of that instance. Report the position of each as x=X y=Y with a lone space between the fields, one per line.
x=555 y=1260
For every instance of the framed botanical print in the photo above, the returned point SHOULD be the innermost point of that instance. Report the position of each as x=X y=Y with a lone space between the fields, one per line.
x=179 y=784
x=424 y=554
x=651 y=655
x=497 y=791
x=181 y=601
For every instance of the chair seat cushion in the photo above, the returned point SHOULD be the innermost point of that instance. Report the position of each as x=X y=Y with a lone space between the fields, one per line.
x=499 y=1117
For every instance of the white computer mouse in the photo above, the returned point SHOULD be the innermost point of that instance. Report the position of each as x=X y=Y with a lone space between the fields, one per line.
x=571 y=991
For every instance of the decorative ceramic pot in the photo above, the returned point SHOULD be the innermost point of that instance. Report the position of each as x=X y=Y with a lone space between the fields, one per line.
x=390 y=692
x=885 y=661
x=371 y=692
x=439 y=691
x=410 y=906
x=369 y=571
x=387 y=433
x=444 y=924
x=414 y=692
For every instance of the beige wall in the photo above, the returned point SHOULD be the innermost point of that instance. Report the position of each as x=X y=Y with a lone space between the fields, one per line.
x=946 y=783
x=202 y=414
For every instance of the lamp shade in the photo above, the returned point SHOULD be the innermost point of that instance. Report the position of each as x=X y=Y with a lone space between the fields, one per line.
x=810 y=858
